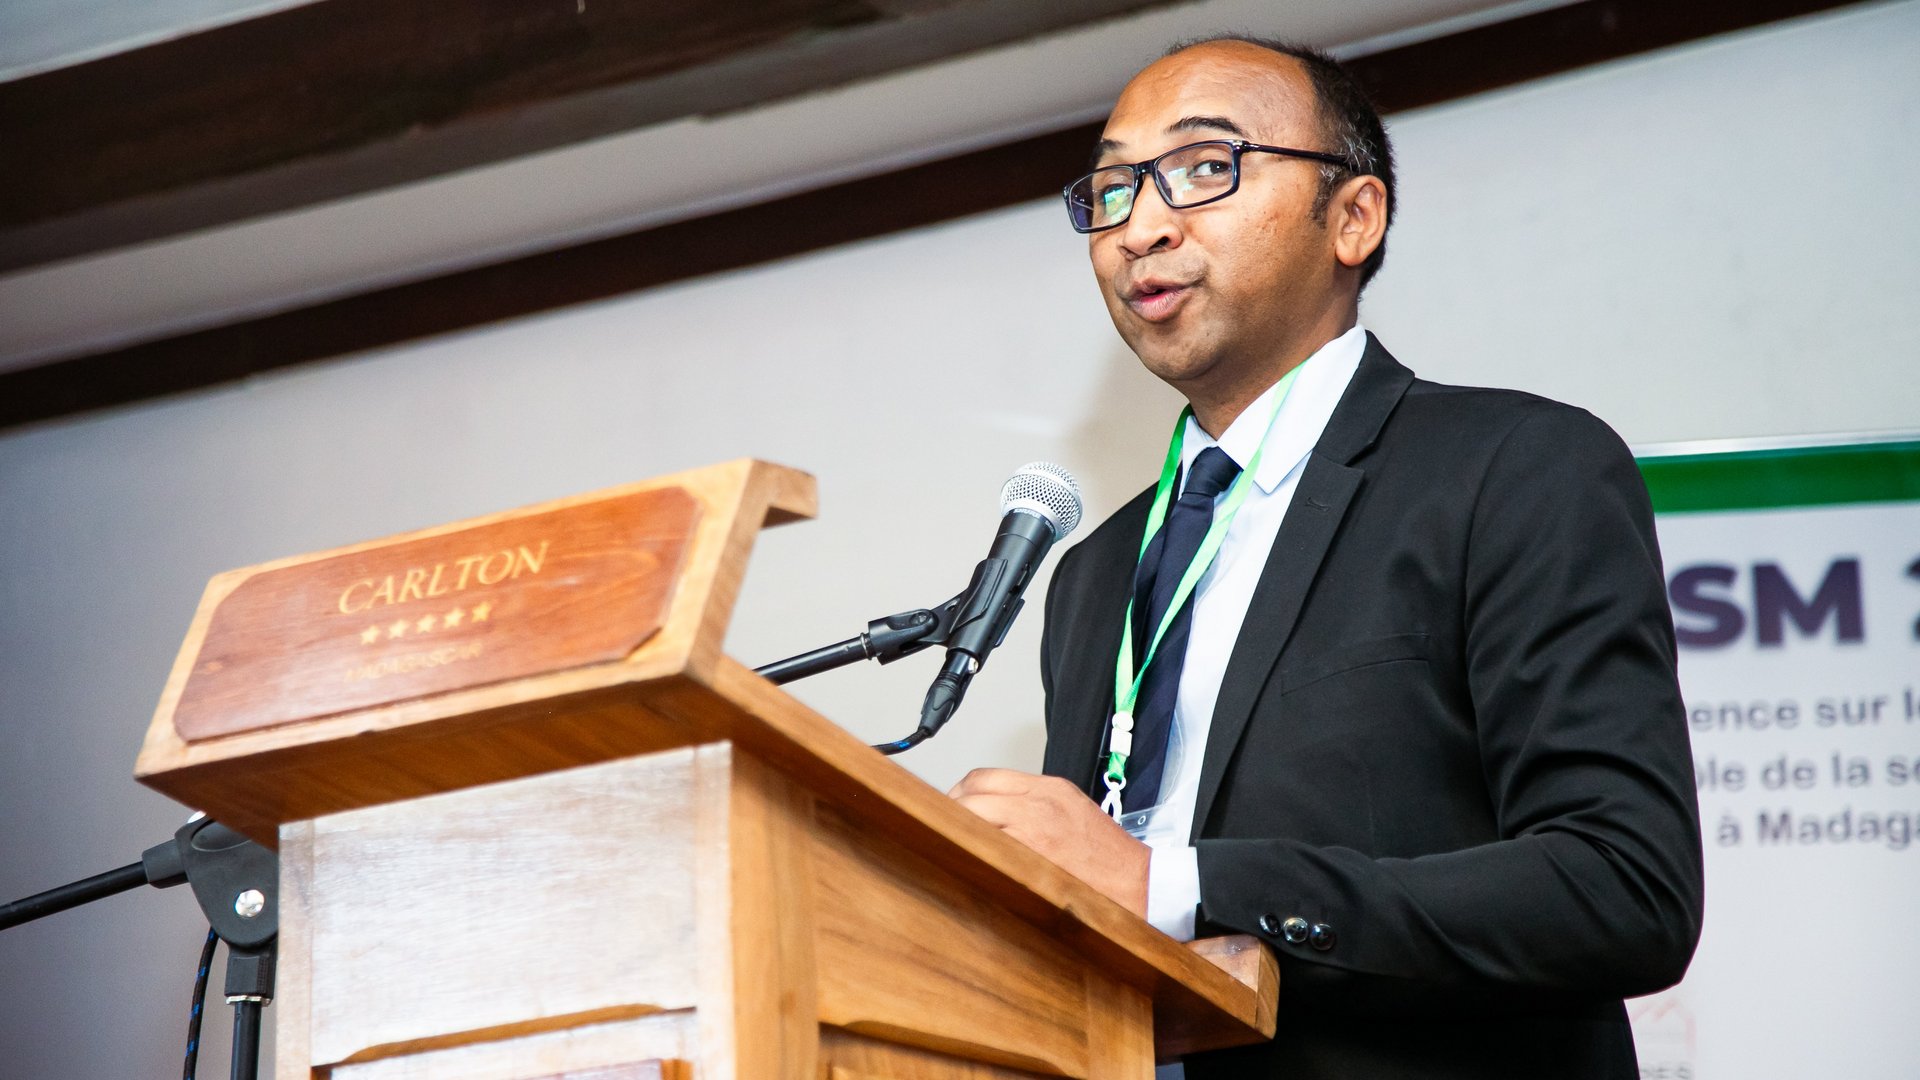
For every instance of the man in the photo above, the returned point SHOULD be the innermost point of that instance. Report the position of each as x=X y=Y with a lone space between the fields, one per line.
x=1423 y=665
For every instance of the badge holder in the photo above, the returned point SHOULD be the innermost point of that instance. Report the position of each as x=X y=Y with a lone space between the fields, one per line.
x=1139 y=822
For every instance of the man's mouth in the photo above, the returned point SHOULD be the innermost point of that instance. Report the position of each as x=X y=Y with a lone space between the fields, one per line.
x=1157 y=301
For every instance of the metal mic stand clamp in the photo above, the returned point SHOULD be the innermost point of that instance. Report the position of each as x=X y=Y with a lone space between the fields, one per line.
x=237 y=883
x=970 y=624
x=885 y=640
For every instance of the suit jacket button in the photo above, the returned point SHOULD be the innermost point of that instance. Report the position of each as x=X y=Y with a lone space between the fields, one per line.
x=1269 y=924
x=1322 y=937
x=1294 y=930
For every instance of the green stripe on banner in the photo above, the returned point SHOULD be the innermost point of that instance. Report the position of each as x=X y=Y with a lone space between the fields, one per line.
x=1797 y=476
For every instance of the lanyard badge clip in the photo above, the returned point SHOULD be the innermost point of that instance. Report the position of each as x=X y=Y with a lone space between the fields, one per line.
x=1119 y=748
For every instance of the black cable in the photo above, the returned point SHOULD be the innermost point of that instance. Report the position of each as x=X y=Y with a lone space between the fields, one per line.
x=943 y=700
x=246 y=1040
x=131 y=876
x=199 y=1003
x=900 y=746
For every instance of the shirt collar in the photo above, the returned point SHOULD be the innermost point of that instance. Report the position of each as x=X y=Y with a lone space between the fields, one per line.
x=1303 y=416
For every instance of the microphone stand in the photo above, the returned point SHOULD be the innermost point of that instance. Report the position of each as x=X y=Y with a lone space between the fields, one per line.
x=1039 y=505
x=237 y=883
x=887 y=640
x=976 y=616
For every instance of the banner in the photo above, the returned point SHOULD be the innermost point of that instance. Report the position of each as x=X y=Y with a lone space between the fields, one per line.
x=1794 y=574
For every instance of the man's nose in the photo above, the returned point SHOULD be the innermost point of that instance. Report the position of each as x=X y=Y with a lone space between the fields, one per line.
x=1152 y=225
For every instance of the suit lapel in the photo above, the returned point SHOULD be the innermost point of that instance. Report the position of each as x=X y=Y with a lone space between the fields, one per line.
x=1327 y=487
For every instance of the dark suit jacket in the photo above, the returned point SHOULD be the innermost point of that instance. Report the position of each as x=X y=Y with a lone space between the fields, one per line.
x=1449 y=731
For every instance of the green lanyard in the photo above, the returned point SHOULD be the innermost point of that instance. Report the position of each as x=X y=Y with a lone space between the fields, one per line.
x=1126 y=681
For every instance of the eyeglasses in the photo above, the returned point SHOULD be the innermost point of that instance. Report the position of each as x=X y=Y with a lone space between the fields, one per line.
x=1187 y=176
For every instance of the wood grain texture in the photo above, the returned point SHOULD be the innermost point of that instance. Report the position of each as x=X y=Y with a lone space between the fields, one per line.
x=754 y=905
x=664 y=1040
x=851 y=1056
x=711 y=812
x=1195 y=1003
x=910 y=954
x=774 y=1010
x=480 y=915
x=639 y=1070
x=1119 y=1030
x=1250 y=961
x=255 y=794
x=541 y=592
x=257 y=780
x=292 y=1012
x=727 y=879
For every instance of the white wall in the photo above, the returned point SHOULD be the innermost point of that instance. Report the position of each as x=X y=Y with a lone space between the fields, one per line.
x=1713 y=241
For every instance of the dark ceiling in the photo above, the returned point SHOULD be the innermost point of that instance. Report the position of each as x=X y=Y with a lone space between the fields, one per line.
x=339 y=97
x=317 y=105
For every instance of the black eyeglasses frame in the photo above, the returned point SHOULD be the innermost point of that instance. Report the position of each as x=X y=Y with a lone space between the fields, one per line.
x=1151 y=168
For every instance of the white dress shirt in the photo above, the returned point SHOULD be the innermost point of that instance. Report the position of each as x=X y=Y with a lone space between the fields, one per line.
x=1220 y=603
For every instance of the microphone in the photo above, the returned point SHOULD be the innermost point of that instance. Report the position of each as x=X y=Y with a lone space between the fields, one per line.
x=1039 y=506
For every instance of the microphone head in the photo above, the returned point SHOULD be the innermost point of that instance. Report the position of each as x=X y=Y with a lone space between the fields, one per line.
x=1047 y=491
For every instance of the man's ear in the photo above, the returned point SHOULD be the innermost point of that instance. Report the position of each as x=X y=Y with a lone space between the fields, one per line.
x=1359 y=219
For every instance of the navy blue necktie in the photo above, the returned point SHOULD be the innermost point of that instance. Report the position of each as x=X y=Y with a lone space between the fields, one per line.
x=1161 y=566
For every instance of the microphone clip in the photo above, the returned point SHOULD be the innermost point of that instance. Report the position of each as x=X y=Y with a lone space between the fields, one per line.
x=901 y=635
x=885 y=640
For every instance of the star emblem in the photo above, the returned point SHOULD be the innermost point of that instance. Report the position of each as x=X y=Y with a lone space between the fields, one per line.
x=452 y=618
x=481 y=611
x=370 y=635
x=425 y=624
x=398 y=628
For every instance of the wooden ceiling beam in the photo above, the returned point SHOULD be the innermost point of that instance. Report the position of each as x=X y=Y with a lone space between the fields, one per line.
x=1469 y=62
x=340 y=97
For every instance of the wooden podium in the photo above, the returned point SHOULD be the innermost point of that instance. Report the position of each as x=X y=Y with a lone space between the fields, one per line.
x=533 y=824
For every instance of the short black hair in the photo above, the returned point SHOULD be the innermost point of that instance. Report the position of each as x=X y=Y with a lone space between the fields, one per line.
x=1349 y=123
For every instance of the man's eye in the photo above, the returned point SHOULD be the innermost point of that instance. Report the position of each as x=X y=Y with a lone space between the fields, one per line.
x=1207 y=169
x=1115 y=194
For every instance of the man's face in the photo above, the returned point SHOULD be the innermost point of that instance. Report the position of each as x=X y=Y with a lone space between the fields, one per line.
x=1207 y=294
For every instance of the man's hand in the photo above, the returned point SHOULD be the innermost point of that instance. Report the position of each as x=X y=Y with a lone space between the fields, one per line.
x=1056 y=819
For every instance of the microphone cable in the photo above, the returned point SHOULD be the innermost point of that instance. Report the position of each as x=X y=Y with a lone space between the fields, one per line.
x=199 y=1004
